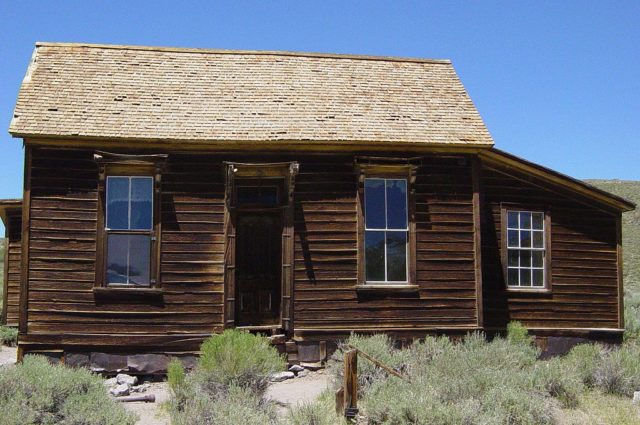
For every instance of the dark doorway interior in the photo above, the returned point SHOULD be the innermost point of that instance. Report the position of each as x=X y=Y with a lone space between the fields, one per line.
x=258 y=268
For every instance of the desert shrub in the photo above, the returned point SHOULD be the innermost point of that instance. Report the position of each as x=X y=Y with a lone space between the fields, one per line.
x=560 y=380
x=8 y=335
x=320 y=412
x=380 y=347
x=619 y=370
x=236 y=405
x=37 y=392
x=175 y=374
x=227 y=385
x=583 y=360
x=632 y=317
x=518 y=334
x=239 y=358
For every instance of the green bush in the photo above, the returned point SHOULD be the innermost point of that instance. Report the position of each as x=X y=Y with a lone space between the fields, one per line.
x=518 y=334
x=8 y=336
x=227 y=385
x=583 y=360
x=234 y=406
x=320 y=412
x=380 y=347
x=619 y=371
x=36 y=392
x=239 y=358
x=560 y=380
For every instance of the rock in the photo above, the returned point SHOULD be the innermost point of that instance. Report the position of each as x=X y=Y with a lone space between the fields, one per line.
x=296 y=368
x=120 y=390
x=150 y=364
x=281 y=376
x=112 y=382
x=105 y=362
x=636 y=397
x=140 y=388
x=129 y=380
x=312 y=366
x=76 y=359
x=277 y=339
x=302 y=373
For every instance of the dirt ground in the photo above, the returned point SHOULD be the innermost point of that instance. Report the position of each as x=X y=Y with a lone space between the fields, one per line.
x=8 y=355
x=298 y=390
x=152 y=413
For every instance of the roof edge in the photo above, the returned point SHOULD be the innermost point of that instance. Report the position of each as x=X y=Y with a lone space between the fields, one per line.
x=601 y=196
x=8 y=205
x=244 y=52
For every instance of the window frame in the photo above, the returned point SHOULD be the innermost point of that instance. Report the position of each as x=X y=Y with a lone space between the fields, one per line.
x=119 y=165
x=505 y=208
x=386 y=171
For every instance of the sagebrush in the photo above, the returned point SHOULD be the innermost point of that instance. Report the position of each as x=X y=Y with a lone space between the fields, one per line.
x=36 y=392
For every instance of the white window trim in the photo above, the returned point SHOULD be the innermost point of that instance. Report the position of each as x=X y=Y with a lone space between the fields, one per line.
x=519 y=249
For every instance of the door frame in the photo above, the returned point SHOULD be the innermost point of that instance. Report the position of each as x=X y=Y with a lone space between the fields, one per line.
x=233 y=171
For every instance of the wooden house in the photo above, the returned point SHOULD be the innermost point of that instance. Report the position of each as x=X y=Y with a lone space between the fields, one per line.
x=172 y=193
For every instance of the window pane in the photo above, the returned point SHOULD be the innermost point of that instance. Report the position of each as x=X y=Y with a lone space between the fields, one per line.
x=538 y=239
x=513 y=258
x=374 y=255
x=397 y=256
x=538 y=220
x=525 y=258
x=537 y=260
x=513 y=238
x=128 y=259
x=374 y=203
x=538 y=278
x=525 y=277
x=117 y=203
x=117 y=254
x=512 y=220
x=525 y=239
x=512 y=277
x=139 y=259
x=396 y=204
x=525 y=220
x=141 y=203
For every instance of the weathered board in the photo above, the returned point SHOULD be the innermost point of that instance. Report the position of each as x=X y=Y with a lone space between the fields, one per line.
x=584 y=284
x=11 y=306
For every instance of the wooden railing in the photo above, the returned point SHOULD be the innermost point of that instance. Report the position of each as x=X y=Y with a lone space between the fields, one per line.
x=347 y=395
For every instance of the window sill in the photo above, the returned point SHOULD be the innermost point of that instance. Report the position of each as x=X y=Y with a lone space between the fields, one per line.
x=124 y=290
x=392 y=289
x=515 y=290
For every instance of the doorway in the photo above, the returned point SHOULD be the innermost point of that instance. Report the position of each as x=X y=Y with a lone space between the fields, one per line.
x=258 y=268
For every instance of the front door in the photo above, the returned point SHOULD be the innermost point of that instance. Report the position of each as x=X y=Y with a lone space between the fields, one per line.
x=258 y=268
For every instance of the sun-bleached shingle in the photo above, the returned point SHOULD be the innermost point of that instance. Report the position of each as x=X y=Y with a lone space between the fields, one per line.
x=173 y=94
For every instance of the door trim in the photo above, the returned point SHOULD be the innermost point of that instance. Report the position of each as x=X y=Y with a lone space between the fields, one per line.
x=233 y=171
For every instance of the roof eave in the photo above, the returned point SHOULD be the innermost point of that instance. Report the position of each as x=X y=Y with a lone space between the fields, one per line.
x=578 y=186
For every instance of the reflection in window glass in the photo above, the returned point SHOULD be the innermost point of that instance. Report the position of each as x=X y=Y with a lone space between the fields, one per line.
x=525 y=249
x=128 y=259
x=129 y=203
x=386 y=230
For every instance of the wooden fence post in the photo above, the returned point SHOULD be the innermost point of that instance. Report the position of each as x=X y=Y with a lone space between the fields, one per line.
x=350 y=383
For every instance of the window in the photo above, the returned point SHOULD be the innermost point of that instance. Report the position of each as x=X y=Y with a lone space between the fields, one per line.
x=386 y=230
x=526 y=249
x=129 y=230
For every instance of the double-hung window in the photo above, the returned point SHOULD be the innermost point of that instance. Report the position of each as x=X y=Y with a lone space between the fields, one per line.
x=129 y=230
x=386 y=230
x=526 y=249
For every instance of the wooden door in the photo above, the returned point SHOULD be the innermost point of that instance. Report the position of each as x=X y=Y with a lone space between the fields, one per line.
x=258 y=268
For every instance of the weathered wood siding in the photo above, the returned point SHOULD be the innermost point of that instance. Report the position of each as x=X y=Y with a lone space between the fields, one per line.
x=326 y=243
x=12 y=284
x=584 y=267
x=63 y=309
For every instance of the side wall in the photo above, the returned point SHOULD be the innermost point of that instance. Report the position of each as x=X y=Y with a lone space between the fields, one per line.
x=12 y=264
x=584 y=259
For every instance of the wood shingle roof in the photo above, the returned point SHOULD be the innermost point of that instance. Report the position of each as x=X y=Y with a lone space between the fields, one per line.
x=176 y=95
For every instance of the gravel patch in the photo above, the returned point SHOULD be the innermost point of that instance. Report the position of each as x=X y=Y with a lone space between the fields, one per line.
x=299 y=390
x=8 y=355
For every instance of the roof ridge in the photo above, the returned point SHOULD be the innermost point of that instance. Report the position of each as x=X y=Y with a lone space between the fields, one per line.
x=245 y=52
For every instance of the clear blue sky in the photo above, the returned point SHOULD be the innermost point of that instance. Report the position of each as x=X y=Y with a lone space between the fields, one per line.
x=557 y=82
